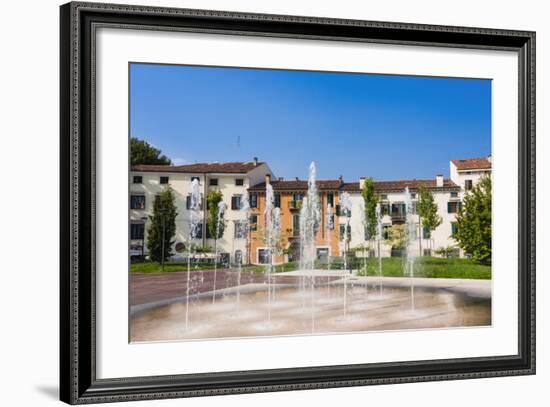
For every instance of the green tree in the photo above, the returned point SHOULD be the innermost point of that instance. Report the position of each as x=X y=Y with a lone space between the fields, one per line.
x=213 y=200
x=370 y=198
x=397 y=236
x=216 y=231
x=473 y=222
x=141 y=152
x=426 y=207
x=162 y=226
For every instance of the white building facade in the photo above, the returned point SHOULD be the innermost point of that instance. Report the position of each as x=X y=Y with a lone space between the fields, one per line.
x=232 y=179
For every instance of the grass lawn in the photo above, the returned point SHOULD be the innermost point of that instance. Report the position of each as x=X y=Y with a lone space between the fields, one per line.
x=153 y=267
x=433 y=267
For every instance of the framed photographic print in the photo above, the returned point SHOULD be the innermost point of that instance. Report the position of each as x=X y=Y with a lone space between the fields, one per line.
x=255 y=203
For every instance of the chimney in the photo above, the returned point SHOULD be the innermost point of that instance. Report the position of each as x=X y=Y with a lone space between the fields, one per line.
x=255 y=160
x=361 y=182
x=297 y=179
x=439 y=180
x=490 y=158
x=281 y=178
x=267 y=179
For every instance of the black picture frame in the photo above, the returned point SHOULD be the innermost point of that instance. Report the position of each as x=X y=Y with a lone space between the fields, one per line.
x=78 y=382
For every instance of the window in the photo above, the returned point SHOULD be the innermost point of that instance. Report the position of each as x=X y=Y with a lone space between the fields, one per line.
x=277 y=199
x=386 y=232
x=342 y=231
x=137 y=231
x=341 y=212
x=454 y=194
x=468 y=184
x=240 y=230
x=138 y=179
x=426 y=233
x=188 y=203
x=331 y=222
x=322 y=254
x=197 y=231
x=253 y=223
x=385 y=209
x=213 y=182
x=454 y=229
x=330 y=198
x=164 y=180
x=295 y=225
x=239 y=182
x=137 y=202
x=253 y=200
x=398 y=210
x=427 y=252
x=453 y=206
x=413 y=196
x=236 y=202
x=383 y=197
x=297 y=196
x=263 y=256
x=238 y=256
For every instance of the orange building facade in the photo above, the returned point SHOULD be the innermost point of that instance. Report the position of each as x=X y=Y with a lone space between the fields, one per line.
x=288 y=196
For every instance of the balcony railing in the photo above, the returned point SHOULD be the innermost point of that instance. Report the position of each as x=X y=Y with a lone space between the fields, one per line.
x=295 y=205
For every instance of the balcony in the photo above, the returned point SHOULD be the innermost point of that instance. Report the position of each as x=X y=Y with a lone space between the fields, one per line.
x=398 y=217
x=295 y=205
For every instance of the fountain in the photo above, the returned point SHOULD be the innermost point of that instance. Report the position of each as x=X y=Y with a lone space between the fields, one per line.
x=364 y=222
x=194 y=222
x=345 y=201
x=269 y=241
x=378 y=241
x=275 y=235
x=245 y=208
x=219 y=220
x=329 y=227
x=410 y=238
x=310 y=219
x=442 y=306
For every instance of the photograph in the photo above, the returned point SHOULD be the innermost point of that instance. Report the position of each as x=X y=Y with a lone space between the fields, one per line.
x=275 y=202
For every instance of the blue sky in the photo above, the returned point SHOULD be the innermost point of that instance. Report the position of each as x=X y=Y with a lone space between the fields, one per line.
x=387 y=127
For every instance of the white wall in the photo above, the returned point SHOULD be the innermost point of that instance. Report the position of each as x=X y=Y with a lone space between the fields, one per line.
x=29 y=128
x=441 y=235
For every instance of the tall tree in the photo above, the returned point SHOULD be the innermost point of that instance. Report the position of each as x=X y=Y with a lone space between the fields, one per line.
x=426 y=207
x=474 y=222
x=162 y=226
x=370 y=198
x=141 y=152
x=397 y=237
x=213 y=200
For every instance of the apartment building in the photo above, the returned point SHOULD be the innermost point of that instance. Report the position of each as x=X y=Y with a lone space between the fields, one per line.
x=289 y=196
x=393 y=209
x=234 y=179
x=231 y=178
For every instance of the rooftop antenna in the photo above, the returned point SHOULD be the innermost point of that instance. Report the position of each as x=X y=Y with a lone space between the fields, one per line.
x=239 y=147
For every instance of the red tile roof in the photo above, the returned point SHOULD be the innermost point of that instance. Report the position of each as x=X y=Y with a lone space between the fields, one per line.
x=299 y=185
x=339 y=185
x=481 y=163
x=226 y=168
x=383 y=186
